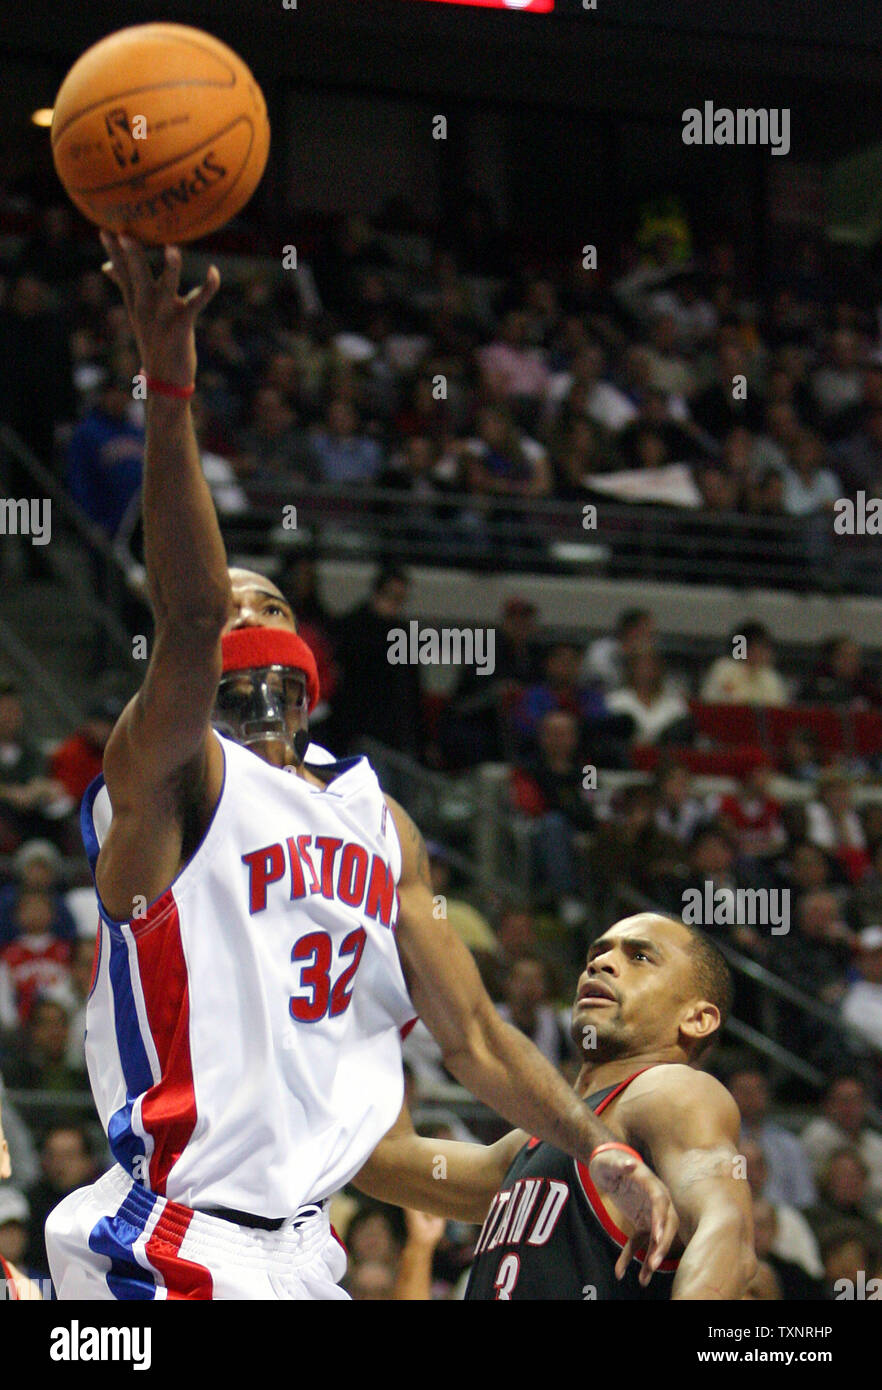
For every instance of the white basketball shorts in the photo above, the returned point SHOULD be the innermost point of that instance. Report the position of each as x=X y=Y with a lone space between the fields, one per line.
x=116 y=1240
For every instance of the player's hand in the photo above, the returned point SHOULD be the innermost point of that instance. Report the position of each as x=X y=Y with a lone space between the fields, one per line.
x=646 y=1202
x=422 y=1229
x=162 y=319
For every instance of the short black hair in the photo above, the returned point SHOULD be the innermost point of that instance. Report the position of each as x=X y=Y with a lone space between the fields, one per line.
x=387 y=574
x=712 y=977
x=630 y=618
x=753 y=632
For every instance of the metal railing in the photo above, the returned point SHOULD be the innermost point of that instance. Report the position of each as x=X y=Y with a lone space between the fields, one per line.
x=547 y=535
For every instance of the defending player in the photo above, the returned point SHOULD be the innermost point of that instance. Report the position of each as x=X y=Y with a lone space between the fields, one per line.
x=649 y=1002
x=264 y=936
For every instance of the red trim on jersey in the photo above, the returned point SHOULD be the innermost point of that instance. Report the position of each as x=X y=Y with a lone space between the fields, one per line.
x=14 y=1295
x=168 y=1109
x=595 y=1201
x=405 y=1029
x=339 y=1242
x=183 y=1279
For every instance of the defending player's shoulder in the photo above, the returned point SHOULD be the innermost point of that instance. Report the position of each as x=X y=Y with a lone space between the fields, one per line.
x=677 y=1098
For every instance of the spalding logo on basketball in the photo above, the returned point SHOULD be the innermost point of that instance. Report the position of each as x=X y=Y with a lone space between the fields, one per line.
x=160 y=131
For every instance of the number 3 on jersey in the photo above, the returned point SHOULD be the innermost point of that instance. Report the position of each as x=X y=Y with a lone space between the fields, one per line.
x=317 y=954
x=507 y=1277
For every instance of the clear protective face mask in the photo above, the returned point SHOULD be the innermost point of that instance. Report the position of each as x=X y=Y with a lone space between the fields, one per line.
x=261 y=706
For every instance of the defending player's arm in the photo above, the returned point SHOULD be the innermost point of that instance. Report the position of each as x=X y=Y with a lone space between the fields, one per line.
x=161 y=757
x=443 y=1177
x=690 y=1125
x=500 y=1065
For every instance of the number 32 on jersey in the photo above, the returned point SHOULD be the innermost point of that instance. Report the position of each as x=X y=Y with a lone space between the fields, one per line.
x=315 y=953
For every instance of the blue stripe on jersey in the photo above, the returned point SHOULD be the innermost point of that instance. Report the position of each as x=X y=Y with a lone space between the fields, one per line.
x=125 y=1145
x=87 y=825
x=114 y=1237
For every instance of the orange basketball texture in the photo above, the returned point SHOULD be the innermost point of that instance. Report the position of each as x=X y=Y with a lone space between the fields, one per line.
x=203 y=128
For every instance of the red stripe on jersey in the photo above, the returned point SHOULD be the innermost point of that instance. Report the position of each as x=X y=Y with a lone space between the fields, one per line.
x=183 y=1279
x=168 y=1109
x=595 y=1201
x=617 y=1090
x=405 y=1029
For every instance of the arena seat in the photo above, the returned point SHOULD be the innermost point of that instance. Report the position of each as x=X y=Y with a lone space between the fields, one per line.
x=727 y=724
x=710 y=762
x=823 y=721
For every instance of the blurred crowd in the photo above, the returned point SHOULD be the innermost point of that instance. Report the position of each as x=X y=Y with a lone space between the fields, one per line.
x=452 y=369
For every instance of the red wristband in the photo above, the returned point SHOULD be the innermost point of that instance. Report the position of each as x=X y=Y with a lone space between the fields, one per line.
x=168 y=388
x=614 y=1144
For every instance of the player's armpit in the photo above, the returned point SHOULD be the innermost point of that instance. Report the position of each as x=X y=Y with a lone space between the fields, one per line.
x=440 y=1176
x=690 y=1125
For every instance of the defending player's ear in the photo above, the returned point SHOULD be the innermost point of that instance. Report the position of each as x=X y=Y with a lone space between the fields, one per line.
x=701 y=1019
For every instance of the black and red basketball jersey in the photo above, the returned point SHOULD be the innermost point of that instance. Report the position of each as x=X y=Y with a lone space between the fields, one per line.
x=547 y=1234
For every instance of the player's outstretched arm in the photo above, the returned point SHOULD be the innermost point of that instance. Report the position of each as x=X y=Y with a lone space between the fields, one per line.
x=690 y=1125
x=161 y=762
x=500 y=1065
x=443 y=1177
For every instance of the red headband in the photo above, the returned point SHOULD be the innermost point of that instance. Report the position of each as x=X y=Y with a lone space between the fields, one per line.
x=250 y=648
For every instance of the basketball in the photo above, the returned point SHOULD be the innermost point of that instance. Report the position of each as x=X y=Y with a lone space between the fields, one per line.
x=160 y=132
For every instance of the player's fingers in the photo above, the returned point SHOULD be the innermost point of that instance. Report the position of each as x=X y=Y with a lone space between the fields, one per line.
x=197 y=299
x=625 y=1258
x=115 y=267
x=170 y=278
x=663 y=1229
x=136 y=264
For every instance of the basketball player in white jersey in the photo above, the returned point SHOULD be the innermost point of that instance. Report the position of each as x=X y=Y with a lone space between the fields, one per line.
x=266 y=929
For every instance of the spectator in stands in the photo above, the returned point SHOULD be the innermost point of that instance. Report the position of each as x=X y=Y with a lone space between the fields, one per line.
x=363 y=661
x=800 y=756
x=772 y=446
x=833 y=824
x=585 y=390
x=858 y=459
x=678 y=812
x=516 y=930
x=752 y=816
x=816 y=956
x=470 y=925
x=527 y=1004
x=78 y=760
x=809 y=485
x=473 y=728
x=549 y=787
x=560 y=689
x=605 y=658
x=843 y=1193
x=650 y=698
x=748 y=677
x=789 y=1173
x=629 y=852
x=501 y=461
x=807 y=868
x=81 y=967
x=512 y=370
x=840 y=677
x=35 y=961
x=106 y=457
x=791 y=1280
x=850 y=1252
x=315 y=624
x=713 y=861
x=27 y=796
x=346 y=454
x=37 y=866
x=274 y=450
x=836 y=384
x=793 y=1238
x=33 y=336
x=862 y=1004
x=67 y=1162
x=14 y=1217
x=719 y=408
x=843 y=1123
x=42 y=1063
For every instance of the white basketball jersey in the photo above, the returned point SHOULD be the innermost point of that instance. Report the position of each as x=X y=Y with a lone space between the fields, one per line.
x=243 y=1035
